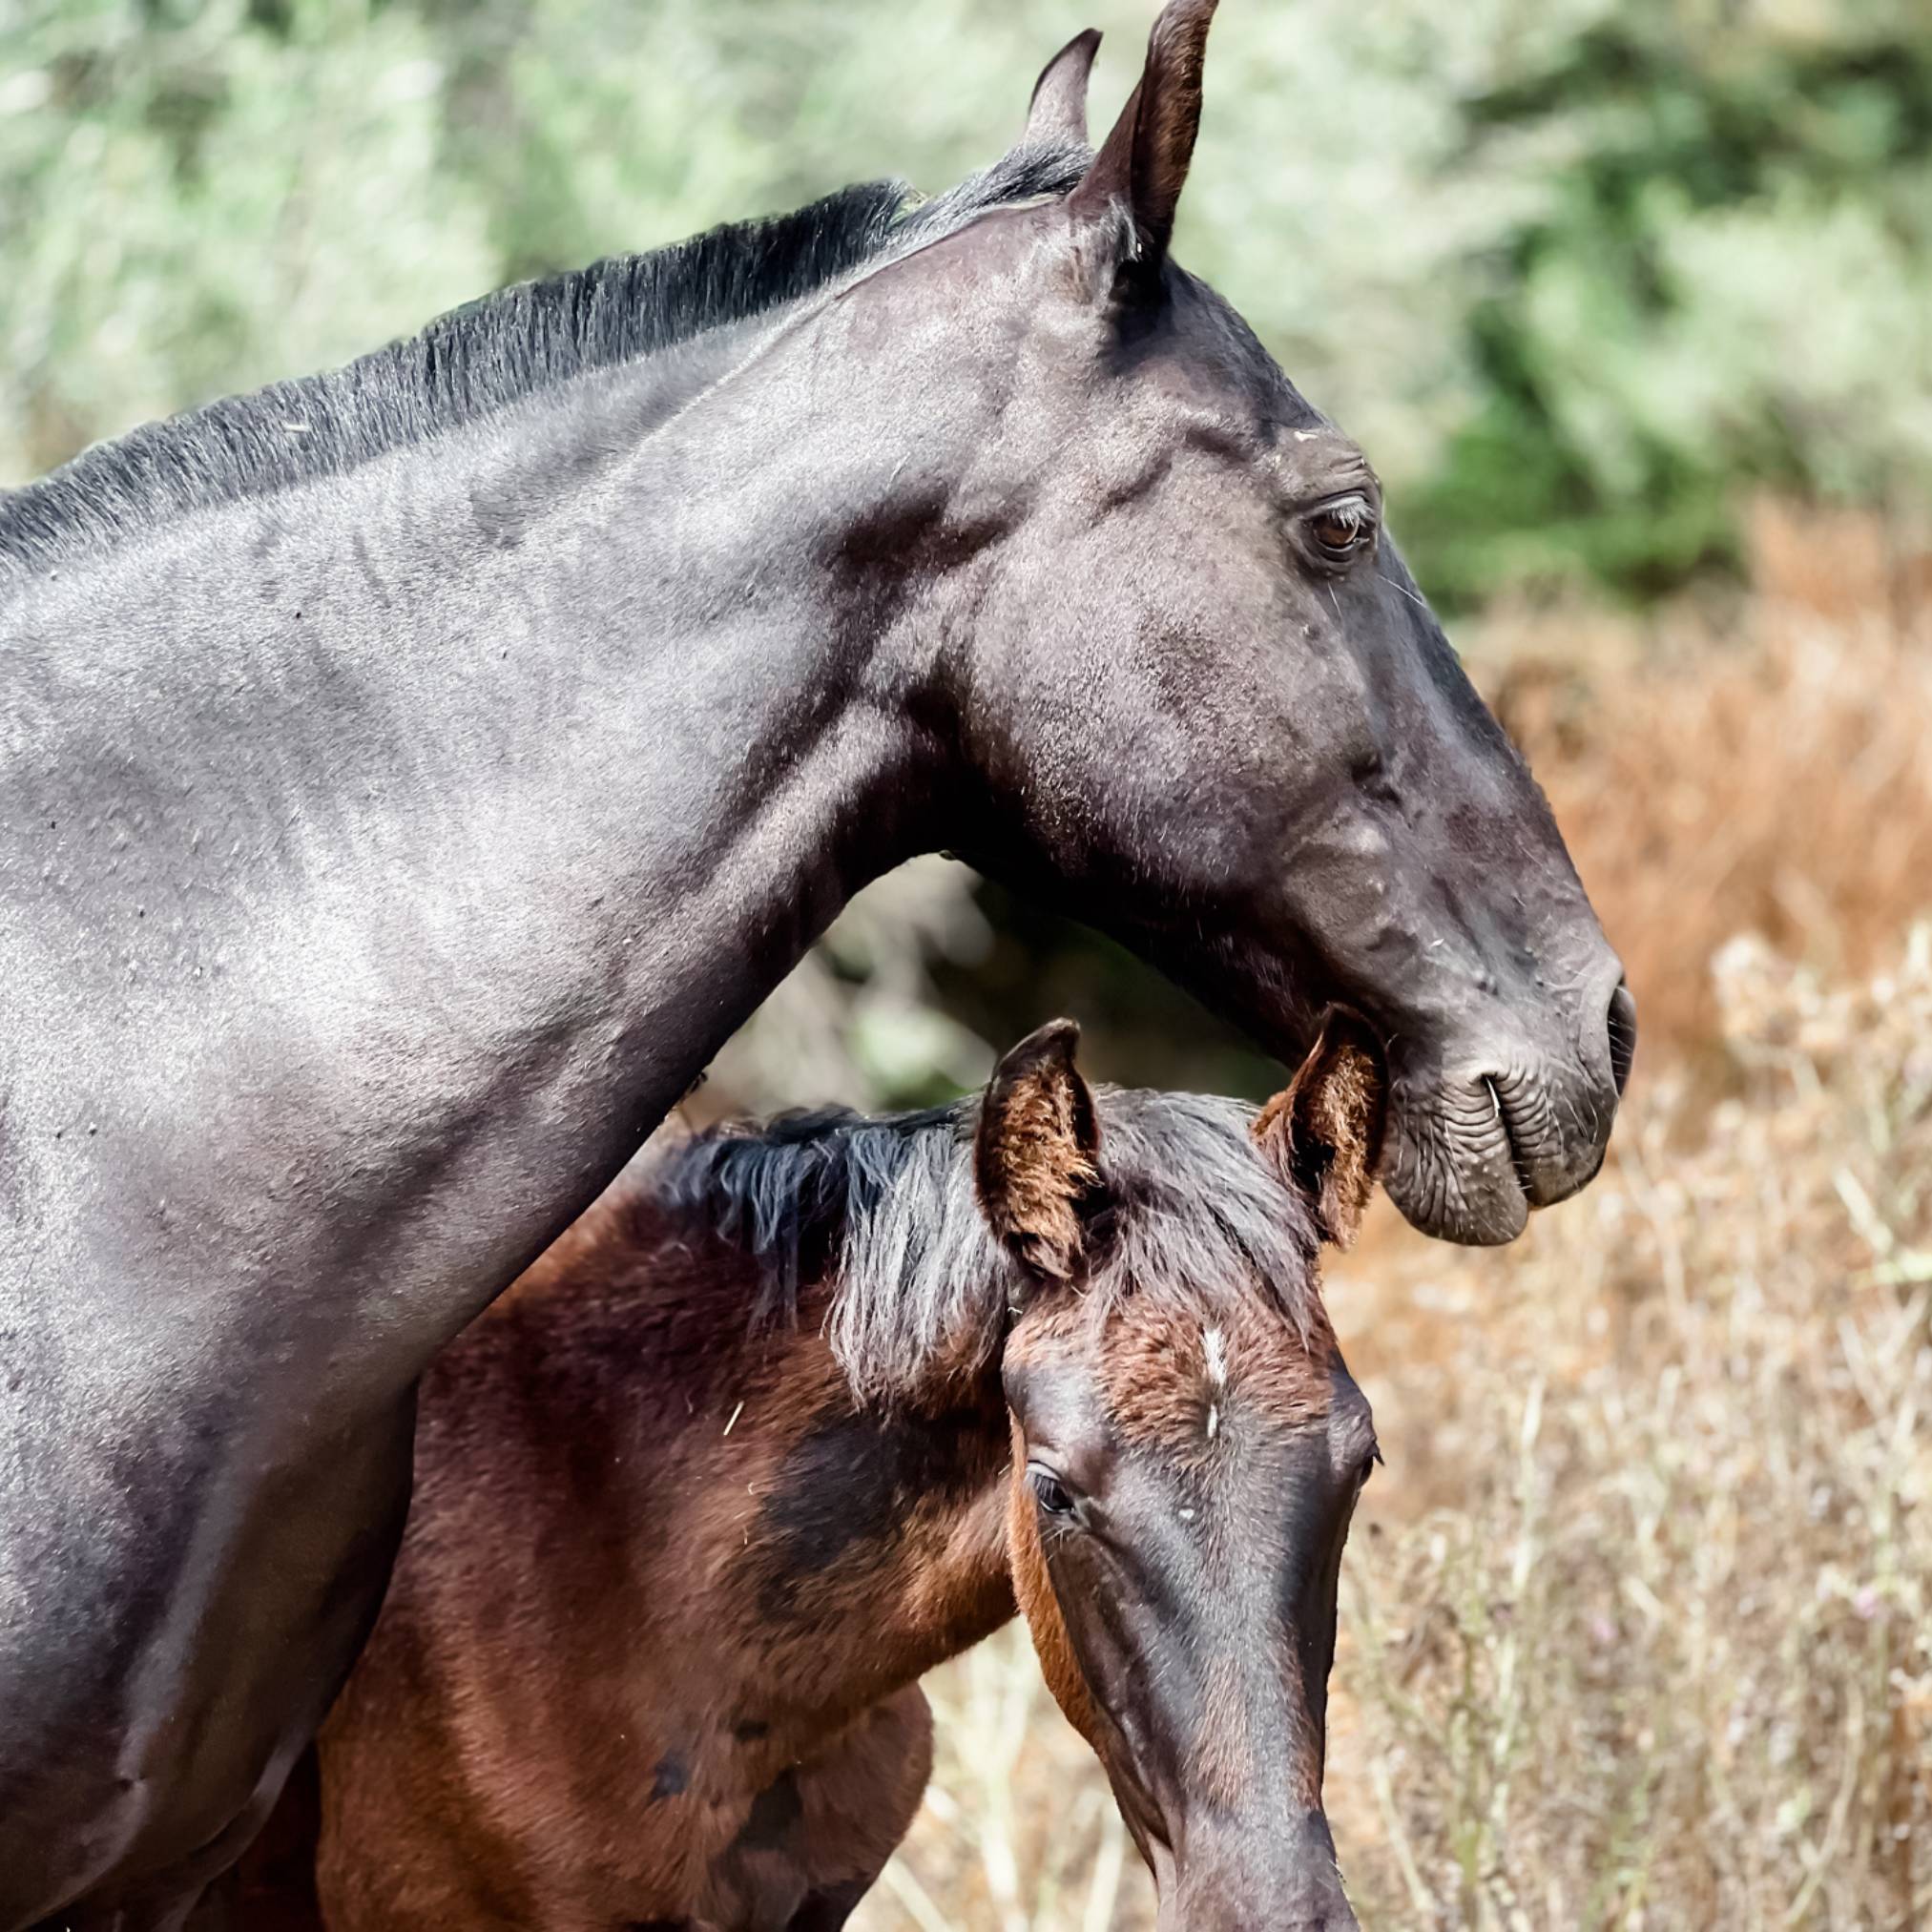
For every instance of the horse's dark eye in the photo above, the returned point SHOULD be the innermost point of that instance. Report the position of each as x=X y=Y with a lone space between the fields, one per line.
x=1050 y=1493
x=1341 y=528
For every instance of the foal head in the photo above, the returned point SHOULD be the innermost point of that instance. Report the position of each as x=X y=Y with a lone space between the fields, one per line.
x=1187 y=1456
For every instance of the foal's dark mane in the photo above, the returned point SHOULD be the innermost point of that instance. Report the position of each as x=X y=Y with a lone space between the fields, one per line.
x=497 y=352
x=920 y=1289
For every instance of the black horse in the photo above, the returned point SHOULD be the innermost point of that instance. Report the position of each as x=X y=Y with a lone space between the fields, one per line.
x=414 y=773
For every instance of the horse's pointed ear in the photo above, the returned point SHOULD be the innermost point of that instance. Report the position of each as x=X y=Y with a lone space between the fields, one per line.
x=1036 y=1154
x=1142 y=165
x=1059 y=109
x=1324 y=1131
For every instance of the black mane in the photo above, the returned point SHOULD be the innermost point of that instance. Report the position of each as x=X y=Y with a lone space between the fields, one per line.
x=921 y=1288
x=494 y=352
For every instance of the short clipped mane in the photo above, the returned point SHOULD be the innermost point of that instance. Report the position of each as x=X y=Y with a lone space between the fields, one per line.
x=494 y=352
x=920 y=1287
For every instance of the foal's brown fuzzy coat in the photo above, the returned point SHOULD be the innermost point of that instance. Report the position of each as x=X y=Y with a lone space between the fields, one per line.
x=650 y=1735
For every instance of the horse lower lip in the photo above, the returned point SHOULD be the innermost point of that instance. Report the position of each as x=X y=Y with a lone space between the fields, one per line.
x=1457 y=1185
x=1518 y=1166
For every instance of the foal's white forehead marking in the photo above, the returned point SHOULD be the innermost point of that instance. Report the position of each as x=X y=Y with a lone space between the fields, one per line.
x=1215 y=1346
x=1214 y=1351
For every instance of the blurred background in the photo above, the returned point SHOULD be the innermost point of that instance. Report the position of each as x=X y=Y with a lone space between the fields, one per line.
x=1631 y=306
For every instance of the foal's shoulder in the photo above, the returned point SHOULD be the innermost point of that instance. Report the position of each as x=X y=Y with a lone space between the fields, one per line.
x=629 y=1295
x=614 y=1243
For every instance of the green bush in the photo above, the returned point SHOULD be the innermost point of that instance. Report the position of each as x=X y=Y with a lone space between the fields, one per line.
x=1579 y=274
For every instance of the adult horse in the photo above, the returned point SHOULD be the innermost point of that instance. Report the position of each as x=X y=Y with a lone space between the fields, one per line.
x=414 y=773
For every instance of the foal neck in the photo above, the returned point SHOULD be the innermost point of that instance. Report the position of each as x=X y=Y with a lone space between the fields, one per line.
x=796 y=1551
x=859 y=1545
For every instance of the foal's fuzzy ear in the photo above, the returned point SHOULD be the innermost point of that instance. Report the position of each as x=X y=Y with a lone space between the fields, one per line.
x=1059 y=109
x=1142 y=165
x=1035 y=1157
x=1324 y=1130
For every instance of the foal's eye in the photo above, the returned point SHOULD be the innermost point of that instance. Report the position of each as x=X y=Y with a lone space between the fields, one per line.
x=1049 y=1492
x=1344 y=527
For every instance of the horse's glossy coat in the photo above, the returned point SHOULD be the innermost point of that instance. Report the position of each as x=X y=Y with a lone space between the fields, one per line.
x=390 y=832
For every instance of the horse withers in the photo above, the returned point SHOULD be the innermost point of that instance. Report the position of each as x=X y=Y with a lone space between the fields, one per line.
x=414 y=773
x=651 y=1652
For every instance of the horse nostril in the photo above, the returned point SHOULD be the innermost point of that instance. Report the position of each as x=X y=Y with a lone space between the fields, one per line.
x=1622 y=1022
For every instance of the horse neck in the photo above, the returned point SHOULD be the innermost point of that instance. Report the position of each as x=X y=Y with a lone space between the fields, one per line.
x=519 y=769
x=817 y=1553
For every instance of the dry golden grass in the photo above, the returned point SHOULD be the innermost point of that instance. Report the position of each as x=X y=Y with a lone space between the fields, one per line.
x=1766 y=768
x=1658 y=1650
x=1637 y=1624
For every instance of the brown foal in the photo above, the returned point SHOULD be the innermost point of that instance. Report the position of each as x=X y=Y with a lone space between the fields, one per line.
x=651 y=1655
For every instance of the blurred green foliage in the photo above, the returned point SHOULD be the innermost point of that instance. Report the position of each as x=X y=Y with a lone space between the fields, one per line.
x=1730 y=283
x=1578 y=273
